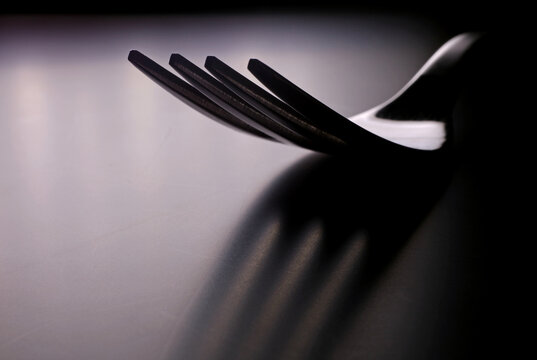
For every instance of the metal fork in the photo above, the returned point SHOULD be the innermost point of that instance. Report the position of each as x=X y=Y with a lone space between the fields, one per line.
x=414 y=120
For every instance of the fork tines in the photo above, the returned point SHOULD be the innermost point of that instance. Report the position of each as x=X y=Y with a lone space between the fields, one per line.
x=228 y=100
x=293 y=117
x=188 y=94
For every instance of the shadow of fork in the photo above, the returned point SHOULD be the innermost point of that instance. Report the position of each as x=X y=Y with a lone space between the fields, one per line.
x=308 y=254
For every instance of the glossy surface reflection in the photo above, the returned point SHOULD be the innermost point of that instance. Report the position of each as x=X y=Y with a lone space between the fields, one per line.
x=307 y=257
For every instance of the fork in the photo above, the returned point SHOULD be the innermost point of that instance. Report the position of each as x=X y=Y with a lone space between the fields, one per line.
x=415 y=119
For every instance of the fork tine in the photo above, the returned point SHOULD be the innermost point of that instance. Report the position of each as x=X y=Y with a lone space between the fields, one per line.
x=318 y=113
x=189 y=94
x=227 y=99
x=268 y=104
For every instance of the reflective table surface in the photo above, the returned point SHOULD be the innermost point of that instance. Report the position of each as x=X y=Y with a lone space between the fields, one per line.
x=132 y=227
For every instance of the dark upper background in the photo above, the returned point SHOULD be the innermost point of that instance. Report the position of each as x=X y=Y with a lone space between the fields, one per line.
x=458 y=15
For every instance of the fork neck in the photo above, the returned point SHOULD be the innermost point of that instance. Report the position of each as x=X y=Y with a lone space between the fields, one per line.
x=431 y=94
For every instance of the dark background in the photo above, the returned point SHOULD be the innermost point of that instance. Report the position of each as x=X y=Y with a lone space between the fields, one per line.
x=457 y=15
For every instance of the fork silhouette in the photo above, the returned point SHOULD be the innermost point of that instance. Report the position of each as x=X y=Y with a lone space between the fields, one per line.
x=415 y=119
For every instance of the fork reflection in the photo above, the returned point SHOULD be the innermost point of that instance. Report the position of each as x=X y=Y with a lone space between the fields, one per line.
x=305 y=260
